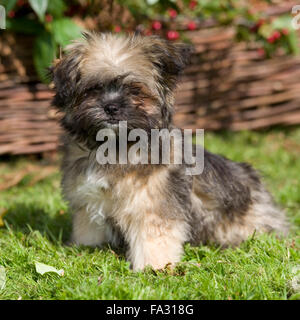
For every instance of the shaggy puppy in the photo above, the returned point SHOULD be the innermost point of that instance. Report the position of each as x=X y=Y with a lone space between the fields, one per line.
x=154 y=209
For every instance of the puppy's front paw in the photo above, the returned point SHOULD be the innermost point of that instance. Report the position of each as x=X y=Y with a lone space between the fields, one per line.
x=158 y=260
x=158 y=249
x=156 y=266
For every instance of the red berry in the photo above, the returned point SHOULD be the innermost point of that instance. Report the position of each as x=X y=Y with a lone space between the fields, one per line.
x=172 y=35
x=11 y=13
x=192 y=25
x=156 y=25
x=172 y=13
x=276 y=35
x=20 y=3
x=117 y=28
x=257 y=25
x=285 y=32
x=193 y=4
x=48 y=17
x=148 y=32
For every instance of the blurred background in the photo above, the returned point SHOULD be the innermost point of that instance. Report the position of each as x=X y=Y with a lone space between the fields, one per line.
x=243 y=76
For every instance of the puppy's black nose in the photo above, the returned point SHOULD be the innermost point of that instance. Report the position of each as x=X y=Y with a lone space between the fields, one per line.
x=111 y=109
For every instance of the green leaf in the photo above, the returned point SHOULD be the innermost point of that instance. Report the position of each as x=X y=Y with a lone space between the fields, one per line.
x=56 y=8
x=265 y=30
x=283 y=22
x=39 y=7
x=23 y=25
x=42 y=268
x=2 y=278
x=64 y=30
x=152 y=2
x=43 y=54
x=8 y=4
x=293 y=42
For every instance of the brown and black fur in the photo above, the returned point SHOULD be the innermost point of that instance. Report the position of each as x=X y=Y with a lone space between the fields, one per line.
x=155 y=209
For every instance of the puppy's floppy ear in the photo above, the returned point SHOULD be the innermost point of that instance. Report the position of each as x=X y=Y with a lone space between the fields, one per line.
x=175 y=57
x=65 y=76
x=169 y=58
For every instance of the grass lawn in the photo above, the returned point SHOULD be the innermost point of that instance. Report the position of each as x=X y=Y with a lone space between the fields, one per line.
x=37 y=223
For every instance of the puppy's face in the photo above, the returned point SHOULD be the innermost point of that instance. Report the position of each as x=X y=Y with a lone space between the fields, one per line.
x=106 y=78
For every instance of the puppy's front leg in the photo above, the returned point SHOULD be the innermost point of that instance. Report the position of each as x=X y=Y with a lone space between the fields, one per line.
x=155 y=241
x=91 y=232
x=85 y=231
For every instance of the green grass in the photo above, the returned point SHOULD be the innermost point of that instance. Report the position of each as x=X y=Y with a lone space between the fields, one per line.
x=38 y=223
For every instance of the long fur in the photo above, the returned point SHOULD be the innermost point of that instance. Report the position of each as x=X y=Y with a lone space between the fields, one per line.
x=153 y=209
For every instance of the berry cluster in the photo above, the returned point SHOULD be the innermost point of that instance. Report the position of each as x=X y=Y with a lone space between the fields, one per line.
x=270 y=36
x=167 y=26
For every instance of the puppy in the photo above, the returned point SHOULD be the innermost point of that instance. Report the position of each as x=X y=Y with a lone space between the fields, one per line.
x=154 y=209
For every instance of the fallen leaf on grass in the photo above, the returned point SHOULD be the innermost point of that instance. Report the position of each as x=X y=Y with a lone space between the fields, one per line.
x=2 y=214
x=42 y=268
x=2 y=277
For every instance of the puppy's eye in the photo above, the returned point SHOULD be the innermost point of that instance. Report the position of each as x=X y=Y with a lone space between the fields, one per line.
x=97 y=87
x=135 y=91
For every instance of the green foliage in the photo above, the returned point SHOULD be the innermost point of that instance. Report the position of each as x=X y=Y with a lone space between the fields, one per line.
x=64 y=30
x=166 y=18
x=23 y=25
x=263 y=267
x=8 y=5
x=52 y=30
x=57 y=8
x=43 y=53
x=39 y=7
x=271 y=34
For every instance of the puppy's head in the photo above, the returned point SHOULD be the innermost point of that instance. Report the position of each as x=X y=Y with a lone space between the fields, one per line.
x=105 y=78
